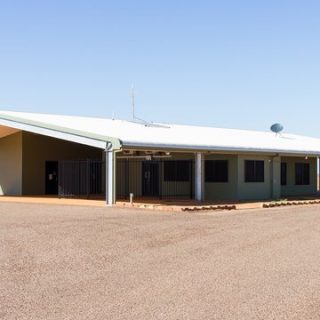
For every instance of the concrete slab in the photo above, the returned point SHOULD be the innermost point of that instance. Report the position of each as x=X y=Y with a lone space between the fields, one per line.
x=175 y=206
x=53 y=200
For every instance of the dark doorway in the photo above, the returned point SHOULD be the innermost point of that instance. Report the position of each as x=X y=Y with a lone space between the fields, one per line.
x=150 y=178
x=51 y=177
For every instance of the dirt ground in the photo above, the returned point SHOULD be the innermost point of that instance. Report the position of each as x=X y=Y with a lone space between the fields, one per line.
x=74 y=262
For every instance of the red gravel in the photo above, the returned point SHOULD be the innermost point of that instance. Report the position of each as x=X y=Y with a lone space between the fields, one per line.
x=70 y=262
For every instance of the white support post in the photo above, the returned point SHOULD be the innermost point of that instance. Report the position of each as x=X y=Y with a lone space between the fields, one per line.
x=110 y=177
x=318 y=175
x=199 y=177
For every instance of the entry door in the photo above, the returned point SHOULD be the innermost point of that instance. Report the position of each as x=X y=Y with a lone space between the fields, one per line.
x=150 y=179
x=51 y=177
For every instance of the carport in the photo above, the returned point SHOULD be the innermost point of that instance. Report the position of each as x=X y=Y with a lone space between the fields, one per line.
x=23 y=141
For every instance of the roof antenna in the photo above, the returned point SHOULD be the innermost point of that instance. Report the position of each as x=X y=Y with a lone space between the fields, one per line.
x=139 y=120
x=132 y=102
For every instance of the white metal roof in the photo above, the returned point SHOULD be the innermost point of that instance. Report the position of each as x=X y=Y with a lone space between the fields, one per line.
x=174 y=136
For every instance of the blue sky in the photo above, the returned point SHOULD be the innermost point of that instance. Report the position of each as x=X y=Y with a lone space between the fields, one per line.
x=241 y=64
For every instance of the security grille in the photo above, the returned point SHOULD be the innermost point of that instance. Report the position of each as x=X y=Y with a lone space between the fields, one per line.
x=159 y=179
x=81 y=178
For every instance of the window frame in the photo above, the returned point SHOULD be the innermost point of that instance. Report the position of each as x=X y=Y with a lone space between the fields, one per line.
x=304 y=173
x=216 y=178
x=284 y=174
x=177 y=175
x=256 y=177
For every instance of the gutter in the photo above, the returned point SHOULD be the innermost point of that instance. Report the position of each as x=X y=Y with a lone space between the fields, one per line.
x=194 y=148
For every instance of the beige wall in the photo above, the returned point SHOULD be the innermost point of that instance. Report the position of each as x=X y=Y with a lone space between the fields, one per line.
x=291 y=189
x=11 y=164
x=38 y=149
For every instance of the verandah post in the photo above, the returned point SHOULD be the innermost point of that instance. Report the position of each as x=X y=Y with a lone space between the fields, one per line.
x=199 y=177
x=110 y=176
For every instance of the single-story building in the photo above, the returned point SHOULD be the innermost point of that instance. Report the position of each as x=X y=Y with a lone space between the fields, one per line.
x=72 y=156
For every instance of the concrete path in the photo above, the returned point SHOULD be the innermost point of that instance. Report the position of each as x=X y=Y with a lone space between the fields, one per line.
x=44 y=200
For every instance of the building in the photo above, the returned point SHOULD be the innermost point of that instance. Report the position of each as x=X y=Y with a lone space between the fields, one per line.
x=90 y=157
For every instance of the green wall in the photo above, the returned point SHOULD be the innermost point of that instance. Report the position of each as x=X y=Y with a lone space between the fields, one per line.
x=254 y=190
x=134 y=178
x=236 y=188
x=223 y=190
x=291 y=189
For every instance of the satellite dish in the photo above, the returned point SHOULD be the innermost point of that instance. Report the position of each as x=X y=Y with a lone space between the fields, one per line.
x=276 y=128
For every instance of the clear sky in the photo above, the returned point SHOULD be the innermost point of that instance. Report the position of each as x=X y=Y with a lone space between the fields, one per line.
x=241 y=64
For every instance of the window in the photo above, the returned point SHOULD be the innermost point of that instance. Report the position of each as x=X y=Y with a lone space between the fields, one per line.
x=302 y=174
x=283 y=173
x=254 y=171
x=216 y=170
x=178 y=170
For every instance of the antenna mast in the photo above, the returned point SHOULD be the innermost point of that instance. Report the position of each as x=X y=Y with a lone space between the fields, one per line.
x=132 y=102
x=139 y=120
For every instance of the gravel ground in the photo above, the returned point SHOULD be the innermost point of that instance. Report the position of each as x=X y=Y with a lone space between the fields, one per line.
x=71 y=262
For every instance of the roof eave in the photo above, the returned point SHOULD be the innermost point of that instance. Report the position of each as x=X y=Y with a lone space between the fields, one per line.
x=60 y=132
x=196 y=148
